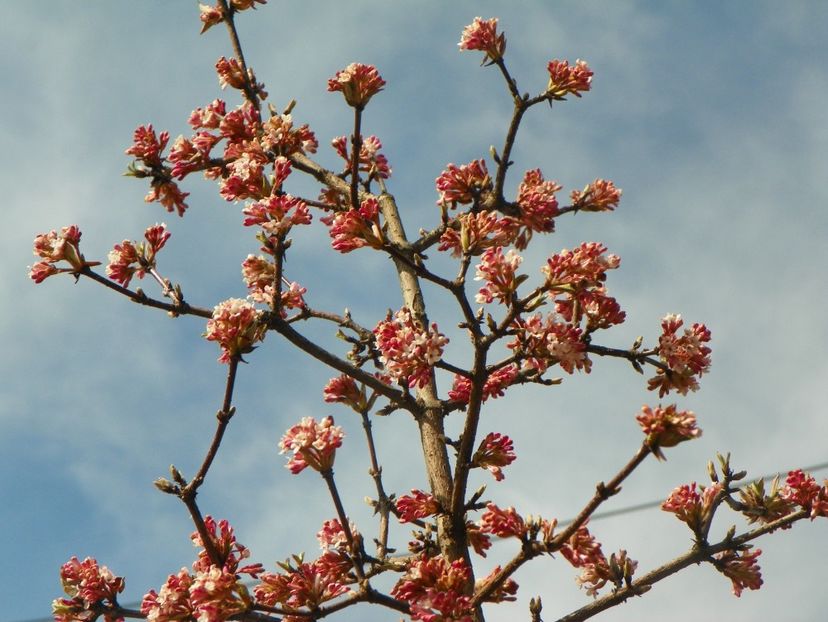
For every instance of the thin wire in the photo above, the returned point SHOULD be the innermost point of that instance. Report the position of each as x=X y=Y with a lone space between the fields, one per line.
x=596 y=516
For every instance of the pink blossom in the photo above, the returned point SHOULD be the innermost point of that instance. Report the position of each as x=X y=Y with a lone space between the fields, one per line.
x=241 y=126
x=358 y=83
x=503 y=523
x=277 y=214
x=147 y=146
x=599 y=196
x=741 y=568
x=505 y=592
x=482 y=35
x=537 y=202
x=667 y=427
x=88 y=583
x=495 y=386
x=473 y=233
x=355 y=228
x=463 y=184
x=344 y=390
x=230 y=73
x=415 y=506
x=803 y=490
x=208 y=117
x=565 y=79
x=209 y=16
x=478 y=540
x=433 y=584
x=408 y=350
x=243 y=5
x=54 y=247
x=618 y=570
x=691 y=507
x=313 y=444
x=172 y=602
x=495 y=451
x=685 y=355
x=130 y=259
x=236 y=326
x=371 y=161
x=499 y=271
x=305 y=584
x=543 y=343
x=601 y=311
x=281 y=137
x=168 y=194
x=229 y=550
x=243 y=177
x=333 y=536
x=216 y=594
x=579 y=269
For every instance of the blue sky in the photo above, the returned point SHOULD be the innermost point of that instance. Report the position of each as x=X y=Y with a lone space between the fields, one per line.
x=711 y=117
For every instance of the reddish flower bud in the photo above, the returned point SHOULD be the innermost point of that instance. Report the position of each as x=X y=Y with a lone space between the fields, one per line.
x=313 y=444
x=482 y=35
x=418 y=505
x=236 y=326
x=358 y=83
x=565 y=79
x=667 y=427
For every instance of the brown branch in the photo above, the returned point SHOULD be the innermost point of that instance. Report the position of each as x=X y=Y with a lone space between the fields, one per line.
x=249 y=84
x=355 y=547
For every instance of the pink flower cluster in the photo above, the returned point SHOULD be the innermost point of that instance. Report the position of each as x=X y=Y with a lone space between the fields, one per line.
x=277 y=214
x=313 y=444
x=211 y=593
x=407 y=349
x=503 y=523
x=482 y=35
x=537 y=202
x=543 y=342
x=495 y=452
x=147 y=148
x=499 y=271
x=87 y=584
x=463 y=184
x=55 y=247
x=130 y=259
x=259 y=274
x=802 y=489
x=434 y=589
x=667 y=427
x=344 y=390
x=236 y=326
x=494 y=387
x=354 y=228
x=599 y=196
x=280 y=137
x=371 y=161
x=475 y=232
x=567 y=80
x=358 y=83
x=583 y=551
x=212 y=15
x=415 y=506
x=741 y=568
x=686 y=356
x=692 y=507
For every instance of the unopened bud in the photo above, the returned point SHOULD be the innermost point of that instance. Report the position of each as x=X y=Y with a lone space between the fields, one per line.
x=177 y=476
x=165 y=485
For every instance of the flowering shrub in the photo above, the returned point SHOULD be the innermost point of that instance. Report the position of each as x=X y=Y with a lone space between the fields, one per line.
x=519 y=325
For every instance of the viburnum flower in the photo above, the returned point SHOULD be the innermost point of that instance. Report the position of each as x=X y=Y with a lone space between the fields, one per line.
x=667 y=427
x=130 y=259
x=762 y=506
x=358 y=83
x=344 y=390
x=408 y=350
x=333 y=536
x=482 y=35
x=168 y=194
x=578 y=269
x=276 y=215
x=478 y=540
x=544 y=342
x=147 y=146
x=88 y=583
x=473 y=233
x=243 y=5
x=495 y=451
x=216 y=594
x=305 y=584
x=208 y=117
x=537 y=202
x=803 y=490
x=495 y=386
x=279 y=136
x=618 y=570
x=229 y=550
x=691 y=507
x=172 y=602
x=236 y=326
x=371 y=161
x=54 y=247
x=230 y=73
x=351 y=229
x=582 y=548
x=567 y=80
x=601 y=311
x=209 y=16
x=463 y=184
x=313 y=444
x=503 y=523
x=599 y=196
x=433 y=584
x=686 y=356
x=741 y=568
x=499 y=271
x=417 y=505
x=505 y=592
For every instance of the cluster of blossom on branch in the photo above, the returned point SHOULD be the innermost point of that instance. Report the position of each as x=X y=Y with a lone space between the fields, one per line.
x=251 y=154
